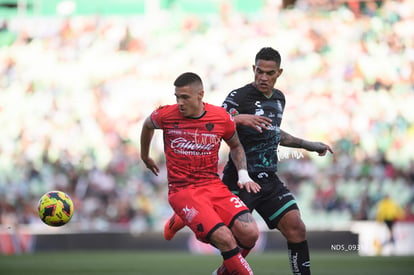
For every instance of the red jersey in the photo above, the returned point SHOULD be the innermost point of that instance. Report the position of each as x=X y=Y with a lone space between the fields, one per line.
x=192 y=145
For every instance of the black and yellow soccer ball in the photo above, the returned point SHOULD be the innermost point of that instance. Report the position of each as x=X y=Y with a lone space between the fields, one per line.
x=55 y=208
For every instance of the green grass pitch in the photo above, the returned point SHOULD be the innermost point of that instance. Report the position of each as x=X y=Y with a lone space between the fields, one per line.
x=182 y=263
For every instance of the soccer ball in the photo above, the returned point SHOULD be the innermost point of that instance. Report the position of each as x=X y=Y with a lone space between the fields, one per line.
x=55 y=208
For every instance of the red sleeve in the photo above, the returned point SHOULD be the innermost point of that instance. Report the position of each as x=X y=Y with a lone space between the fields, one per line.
x=156 y=117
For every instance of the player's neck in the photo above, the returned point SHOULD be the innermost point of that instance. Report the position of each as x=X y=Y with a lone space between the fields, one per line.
x=268 y=94
x=199 y=113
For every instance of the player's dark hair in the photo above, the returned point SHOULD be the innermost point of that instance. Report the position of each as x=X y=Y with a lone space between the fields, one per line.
x=269 y=54
x=187 y=79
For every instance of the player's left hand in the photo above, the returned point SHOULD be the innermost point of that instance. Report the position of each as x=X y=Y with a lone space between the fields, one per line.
x=250 y=186
x=319 y=147
x=323 y=148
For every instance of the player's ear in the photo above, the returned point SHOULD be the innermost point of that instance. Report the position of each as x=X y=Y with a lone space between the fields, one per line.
x=279 y=72
x=254 y=68
x=201 y=93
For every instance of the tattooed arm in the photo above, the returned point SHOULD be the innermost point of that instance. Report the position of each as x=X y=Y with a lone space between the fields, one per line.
x=288 y=140
x=238 y=156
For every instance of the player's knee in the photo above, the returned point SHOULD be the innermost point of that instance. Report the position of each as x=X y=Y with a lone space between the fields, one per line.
x=252 y=232
x=251 y=239
x=300 y=230
x=292 y=227
x=296 y=232
x=248 y=237
x=223 y=239
x=246 y=231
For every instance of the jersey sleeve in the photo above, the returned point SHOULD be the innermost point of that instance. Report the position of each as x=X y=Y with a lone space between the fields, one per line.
x=282 y=99
x=157 y=117
x=231 y=103
x=230 y=127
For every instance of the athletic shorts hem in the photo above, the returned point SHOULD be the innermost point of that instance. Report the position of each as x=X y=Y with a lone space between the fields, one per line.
x=236 y=216
x=208 y=236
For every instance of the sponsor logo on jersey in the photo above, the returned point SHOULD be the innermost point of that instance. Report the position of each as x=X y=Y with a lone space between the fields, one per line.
x=259 y=110
x=233 y=112
x=189 y=213
x=182 y=143
x=193 y=143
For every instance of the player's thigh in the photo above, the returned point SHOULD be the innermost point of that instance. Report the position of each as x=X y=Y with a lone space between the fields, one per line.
x=229 y=207
x=196 y=212
x=292 y=226
x=274 y=206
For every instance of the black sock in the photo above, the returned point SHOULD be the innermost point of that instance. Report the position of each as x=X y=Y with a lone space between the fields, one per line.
x=299 y=258
x=228 y=254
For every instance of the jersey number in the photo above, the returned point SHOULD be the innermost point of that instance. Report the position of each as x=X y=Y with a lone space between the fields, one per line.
x=237 y=202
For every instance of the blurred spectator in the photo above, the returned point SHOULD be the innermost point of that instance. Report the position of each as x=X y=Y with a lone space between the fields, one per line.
x=389 y=212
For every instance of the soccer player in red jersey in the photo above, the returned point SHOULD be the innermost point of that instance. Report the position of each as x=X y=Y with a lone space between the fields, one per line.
x=192 y=131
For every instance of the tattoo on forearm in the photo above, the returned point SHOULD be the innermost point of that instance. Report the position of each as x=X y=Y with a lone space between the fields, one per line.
x=239 y=157
x=289 y=140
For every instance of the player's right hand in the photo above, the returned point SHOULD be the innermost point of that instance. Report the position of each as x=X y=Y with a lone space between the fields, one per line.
x=254 y=121
x=150 y=164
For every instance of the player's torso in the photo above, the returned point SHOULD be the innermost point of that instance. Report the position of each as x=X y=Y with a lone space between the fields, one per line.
x=192 y=146
x=261 y=148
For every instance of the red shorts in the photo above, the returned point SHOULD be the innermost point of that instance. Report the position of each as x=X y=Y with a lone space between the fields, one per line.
x=205 y=208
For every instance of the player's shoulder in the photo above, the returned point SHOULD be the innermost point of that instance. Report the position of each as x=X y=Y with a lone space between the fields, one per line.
x=278 y=94
x=217 y=112
x=164 y=110
x=237 y=95
x=242 y=91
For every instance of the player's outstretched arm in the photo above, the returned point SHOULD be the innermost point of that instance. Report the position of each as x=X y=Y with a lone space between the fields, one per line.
x=146 y=136
x=238 y=156
x=288 y=140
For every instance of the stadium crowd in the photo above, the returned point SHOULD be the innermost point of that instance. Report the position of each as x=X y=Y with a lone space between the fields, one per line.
x=73 y=92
